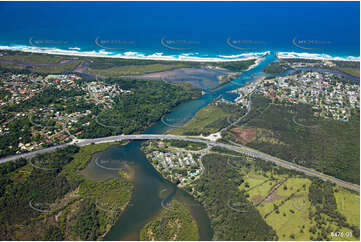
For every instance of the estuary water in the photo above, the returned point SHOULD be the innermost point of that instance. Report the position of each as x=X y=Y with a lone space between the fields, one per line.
x=150 y=188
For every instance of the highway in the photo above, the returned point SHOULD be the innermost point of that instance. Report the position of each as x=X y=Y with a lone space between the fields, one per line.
x=241 y=149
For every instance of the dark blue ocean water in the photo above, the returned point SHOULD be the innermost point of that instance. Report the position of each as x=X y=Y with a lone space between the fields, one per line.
x=198 y=29
x=192 y=28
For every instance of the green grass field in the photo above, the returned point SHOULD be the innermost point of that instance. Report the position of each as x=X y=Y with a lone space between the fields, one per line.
x=348 y=204
x=210 y=119
x=291 y=219
x=203 y=118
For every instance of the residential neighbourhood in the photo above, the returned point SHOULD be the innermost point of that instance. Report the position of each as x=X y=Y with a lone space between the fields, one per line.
x=54 y=107
x=331 y=96
x=178 y=165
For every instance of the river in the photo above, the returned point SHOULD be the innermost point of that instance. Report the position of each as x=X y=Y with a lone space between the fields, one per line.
x=150 y=187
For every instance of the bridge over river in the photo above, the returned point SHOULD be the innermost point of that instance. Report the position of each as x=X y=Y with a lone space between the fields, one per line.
x=238 y=148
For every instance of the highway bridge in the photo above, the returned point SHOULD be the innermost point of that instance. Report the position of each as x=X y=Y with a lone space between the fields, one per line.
x=241 y=149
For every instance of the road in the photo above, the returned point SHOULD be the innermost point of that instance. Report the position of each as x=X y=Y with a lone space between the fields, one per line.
x=241 y=149
x=249 y=107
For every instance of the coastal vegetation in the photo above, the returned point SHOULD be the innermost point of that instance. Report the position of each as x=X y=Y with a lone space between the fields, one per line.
x=350 y=67
x=245 y=198
x=187 y=145
x=174 y=223
x=235 y=65
x=146 y=103
x=44 y=118
x=47 y=198
x=108 y=63
x=33 y=58
x=275 y=68
x=330 y=146
x=222 y=150
x=105 y=67
x=54 y=69
x=127 y=70
x=261 y=201
x=37 y=63
x=218 y=192
x=211 y=119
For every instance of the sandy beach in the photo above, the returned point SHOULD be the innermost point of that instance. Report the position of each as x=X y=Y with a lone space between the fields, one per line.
x=258 y=60
x=314 y=56
x=134 y=55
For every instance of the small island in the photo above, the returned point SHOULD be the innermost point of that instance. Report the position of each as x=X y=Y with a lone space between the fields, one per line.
x=174 y=223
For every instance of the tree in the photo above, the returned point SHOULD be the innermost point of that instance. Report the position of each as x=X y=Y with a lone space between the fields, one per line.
x=53 y=233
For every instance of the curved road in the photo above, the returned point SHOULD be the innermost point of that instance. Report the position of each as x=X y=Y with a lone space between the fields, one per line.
x=241 y=149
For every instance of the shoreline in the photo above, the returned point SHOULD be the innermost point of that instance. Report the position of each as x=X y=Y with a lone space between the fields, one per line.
x=314 y=56
x=258 y=60
x=227 y=78
x=182 y=57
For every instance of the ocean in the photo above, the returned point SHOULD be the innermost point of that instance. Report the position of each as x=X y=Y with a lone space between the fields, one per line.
x=206 y=31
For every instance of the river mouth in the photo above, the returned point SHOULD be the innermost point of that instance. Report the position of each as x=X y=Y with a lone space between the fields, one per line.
x=151 y=191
